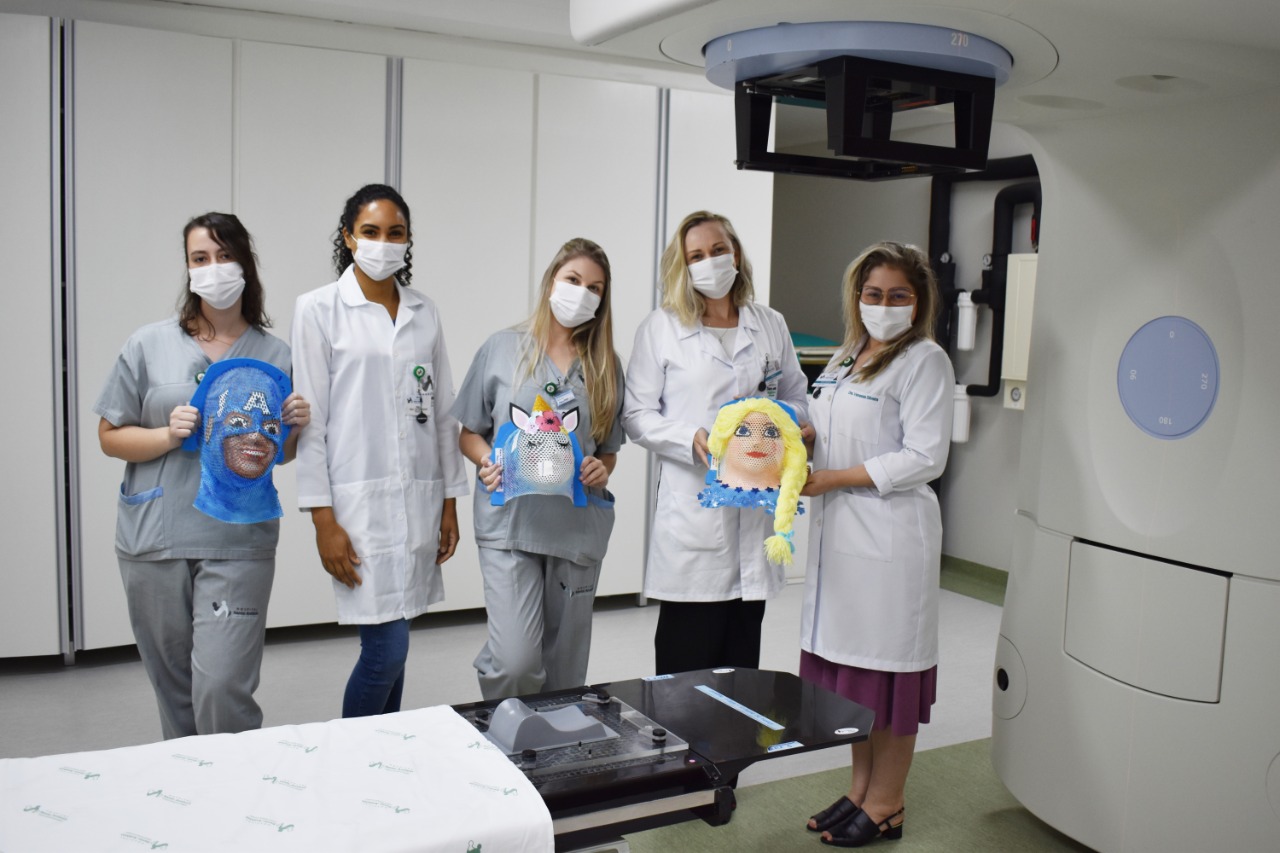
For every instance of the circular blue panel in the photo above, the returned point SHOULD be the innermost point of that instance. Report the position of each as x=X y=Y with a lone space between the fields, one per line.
x=1168 y=377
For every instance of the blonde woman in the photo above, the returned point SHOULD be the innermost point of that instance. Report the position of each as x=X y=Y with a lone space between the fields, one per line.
x=709 y=343
x=869 y=629
x=540 y=554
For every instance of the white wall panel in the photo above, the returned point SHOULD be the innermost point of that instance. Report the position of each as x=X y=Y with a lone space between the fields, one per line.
x=29 y=623
x=153 y=134
x=701 y=176
x=467 y=175
x=310 y=130
x=597 y=155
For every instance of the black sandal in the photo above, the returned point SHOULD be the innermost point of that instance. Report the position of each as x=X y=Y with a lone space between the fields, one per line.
x=833 y=815
x=861 y=829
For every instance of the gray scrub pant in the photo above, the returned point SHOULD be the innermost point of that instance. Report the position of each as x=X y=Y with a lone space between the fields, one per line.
x=539 y=610
x=200 y=626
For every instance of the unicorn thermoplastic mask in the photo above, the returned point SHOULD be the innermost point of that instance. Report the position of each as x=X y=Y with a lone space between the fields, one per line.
x=241 y=438
x=540 y=454
x=758 y=459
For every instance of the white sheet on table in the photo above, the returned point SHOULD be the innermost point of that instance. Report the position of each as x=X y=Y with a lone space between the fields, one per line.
x=416 y=780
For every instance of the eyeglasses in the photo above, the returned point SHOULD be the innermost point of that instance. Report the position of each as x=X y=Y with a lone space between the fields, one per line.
x=875 y=296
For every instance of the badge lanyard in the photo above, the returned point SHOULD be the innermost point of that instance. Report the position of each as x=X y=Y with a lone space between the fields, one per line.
x=772 y=373
x=422 y=400
x=828 y=379
x=561 y=392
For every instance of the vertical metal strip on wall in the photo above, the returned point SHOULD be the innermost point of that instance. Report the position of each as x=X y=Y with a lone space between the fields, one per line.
x=62 y=198
x=395 y=115
x=659 y=243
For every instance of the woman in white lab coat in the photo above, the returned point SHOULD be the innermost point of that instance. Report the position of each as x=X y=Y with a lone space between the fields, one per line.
x=709 y=343
x=869 y=629
x=380 y=468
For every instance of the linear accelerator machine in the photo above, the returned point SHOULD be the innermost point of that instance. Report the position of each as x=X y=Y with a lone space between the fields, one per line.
x=1137 y=690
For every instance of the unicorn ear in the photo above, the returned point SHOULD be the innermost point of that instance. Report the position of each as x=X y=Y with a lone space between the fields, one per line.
x=520 y=418
x=570 y=419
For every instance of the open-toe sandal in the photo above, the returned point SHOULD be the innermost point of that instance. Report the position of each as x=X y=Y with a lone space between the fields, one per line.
x=861 y=829
x=833 y=815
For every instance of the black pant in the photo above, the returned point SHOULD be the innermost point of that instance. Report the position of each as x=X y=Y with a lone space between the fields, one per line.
x=707 y=634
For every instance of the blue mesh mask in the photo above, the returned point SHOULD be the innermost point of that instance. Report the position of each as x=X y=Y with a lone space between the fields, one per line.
x=241 y=438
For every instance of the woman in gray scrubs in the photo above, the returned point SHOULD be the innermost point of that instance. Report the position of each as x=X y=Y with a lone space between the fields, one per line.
x=540 y=554
x=197 y=588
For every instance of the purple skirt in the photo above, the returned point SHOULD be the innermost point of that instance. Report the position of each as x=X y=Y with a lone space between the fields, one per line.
x=901 y=700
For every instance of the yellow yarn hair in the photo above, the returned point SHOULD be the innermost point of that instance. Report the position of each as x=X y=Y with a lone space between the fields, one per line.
x=778 y=547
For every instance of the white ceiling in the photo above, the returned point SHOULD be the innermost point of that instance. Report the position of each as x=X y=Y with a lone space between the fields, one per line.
x=1071 y=57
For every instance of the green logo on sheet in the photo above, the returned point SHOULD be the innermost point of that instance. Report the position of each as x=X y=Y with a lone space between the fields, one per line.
x=45 y=813
x=383 y=804
x=144 y=841
x=401 y=735
x=159 y=794
x=285 y=783
x=390 y=768
x=494 y=789
x=87 y=775
x=295 y=745
x=279 y=825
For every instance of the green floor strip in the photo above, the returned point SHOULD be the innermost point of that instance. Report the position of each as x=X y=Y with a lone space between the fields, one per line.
x=955 y=803
x=974 y=580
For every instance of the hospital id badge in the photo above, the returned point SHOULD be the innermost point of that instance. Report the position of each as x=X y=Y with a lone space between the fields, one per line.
x=564 y=398
x=824 y=380
x=415 y=409
x=423 y=398
x=772 y=374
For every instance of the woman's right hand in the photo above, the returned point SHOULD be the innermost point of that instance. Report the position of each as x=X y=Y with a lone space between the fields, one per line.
x=183 y=421
x=490 y=473
x=700 y=451
x=336 y=552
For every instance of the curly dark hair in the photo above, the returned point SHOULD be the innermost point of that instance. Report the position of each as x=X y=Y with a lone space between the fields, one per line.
x=227 y=232
x=342 y=257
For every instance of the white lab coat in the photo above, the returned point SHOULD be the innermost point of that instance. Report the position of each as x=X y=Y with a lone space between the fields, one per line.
x=871 y=587
x=677 y=378
x=385 y=474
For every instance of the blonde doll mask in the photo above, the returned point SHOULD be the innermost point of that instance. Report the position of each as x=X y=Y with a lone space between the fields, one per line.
x=758 y=459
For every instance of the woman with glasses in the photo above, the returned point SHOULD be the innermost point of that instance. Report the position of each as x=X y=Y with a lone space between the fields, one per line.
x=869 y=628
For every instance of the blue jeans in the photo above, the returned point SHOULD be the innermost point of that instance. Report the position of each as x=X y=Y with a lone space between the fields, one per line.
x=377 y=681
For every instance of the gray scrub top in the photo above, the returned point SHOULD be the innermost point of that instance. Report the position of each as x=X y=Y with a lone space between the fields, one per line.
x=156 y=519
x=539 y=524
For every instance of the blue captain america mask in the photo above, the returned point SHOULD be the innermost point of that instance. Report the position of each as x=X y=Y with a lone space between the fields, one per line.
x=241 y=438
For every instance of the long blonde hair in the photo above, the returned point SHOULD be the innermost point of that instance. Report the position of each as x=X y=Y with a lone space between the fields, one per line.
x=593 y=339
x=678 y=295
x=913 y=263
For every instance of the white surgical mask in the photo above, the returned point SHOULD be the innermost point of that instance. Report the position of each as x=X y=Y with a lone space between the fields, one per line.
x=713 y=277
x=380 y=260
x=885 y=322
x=219 y=285
x=572 y=304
